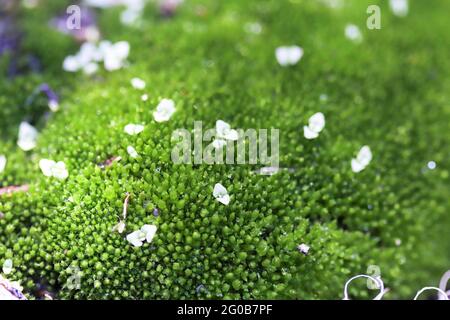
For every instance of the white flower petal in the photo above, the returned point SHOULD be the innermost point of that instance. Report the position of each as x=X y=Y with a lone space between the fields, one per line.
x=353 y=33
x=59 y=170
x=222 y=128
x=90 y=68
x=132 y=152
x=221 y=194
x=399 y=7
x=303 y=248
x=111 y=62
x=232 y=135
x=120 y=227
x=138 y=83
x=71 y=64
x=133 y=129
x=317 y=122
x=357 y=166
x=27 y=136
x=364 y=156
x=150 y=231
x=164 y=110
x=219 y=143
x=288 y=55
x=136 y=238
x=309 y=134
x=2 y=163
x=224 y=131
x=46 y=166
x=7 y=266
x=88 y=53
x=121 y=49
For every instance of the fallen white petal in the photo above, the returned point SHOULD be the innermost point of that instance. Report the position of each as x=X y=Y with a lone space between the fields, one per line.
x=164 y=110
x=90 y=68
x=317 y=122
x=71 y=64
x=219 y=143
x=224 y=131
x=221 y=194
x=133 y=129
x=7 y=266
x=364 y=155
x=132 y=152
x=288 y=55
x=357 y=166
x=27 y=136
x=59 y=170
x=309 y=134
x=150 y=231
x=46 y=166
x=120 y=227
x=138 y=83
x=2 y=163
x=136 y=238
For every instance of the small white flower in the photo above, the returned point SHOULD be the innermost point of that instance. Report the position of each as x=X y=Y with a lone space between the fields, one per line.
x=132 y=152
x=430 y=165
x=164 y=110
x=316 y=123
x=133 y=129
x=144 y=97
x=2 y=163
x=60 y=171
x=353 y=33
x=362 y=160
x=138 y=83
x=90 y=68
x=146 y=233
x=7 y=266
x=303 y=248
x=399 y=7
x=54 y=169
x=224 y=131
x=115 y=55
x=71 y=64
x=288 y=56
x=27 y=136
x=221 y=194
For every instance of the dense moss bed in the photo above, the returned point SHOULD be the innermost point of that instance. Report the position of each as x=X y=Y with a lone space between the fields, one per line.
x=391 y=91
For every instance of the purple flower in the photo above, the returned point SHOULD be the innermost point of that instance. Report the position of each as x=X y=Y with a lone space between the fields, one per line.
x=9 y=37
x=88 y=30
x=53 y=100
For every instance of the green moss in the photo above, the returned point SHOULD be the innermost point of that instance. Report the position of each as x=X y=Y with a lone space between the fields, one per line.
x=390 y=92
